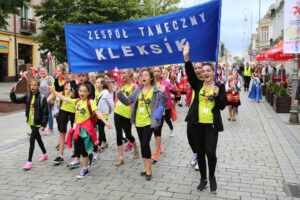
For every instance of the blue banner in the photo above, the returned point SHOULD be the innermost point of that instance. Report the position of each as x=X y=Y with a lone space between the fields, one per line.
x=145 y=42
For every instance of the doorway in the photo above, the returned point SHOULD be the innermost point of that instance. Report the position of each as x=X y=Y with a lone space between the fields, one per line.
x=3 y=67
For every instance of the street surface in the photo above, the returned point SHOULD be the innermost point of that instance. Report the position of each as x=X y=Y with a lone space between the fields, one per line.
x=256 y=154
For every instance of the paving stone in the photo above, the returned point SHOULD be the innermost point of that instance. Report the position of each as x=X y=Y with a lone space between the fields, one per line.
x=254 y=160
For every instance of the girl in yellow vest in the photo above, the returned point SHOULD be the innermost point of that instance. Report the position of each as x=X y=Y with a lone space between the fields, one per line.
x=123 y=113
x=146 y=98
x=205 y=117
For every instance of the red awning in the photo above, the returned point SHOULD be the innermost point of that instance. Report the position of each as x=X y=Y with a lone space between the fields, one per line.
x=274 y=54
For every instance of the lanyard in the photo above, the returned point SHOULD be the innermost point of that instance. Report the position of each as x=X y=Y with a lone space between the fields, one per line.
x=32 y=106
x=144 y=96
x=206 y=93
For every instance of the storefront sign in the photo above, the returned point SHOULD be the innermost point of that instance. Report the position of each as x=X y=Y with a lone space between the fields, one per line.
x=4 y=47
x=291 y=26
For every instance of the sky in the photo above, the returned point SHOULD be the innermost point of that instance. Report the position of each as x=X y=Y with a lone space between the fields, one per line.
x=232 y=21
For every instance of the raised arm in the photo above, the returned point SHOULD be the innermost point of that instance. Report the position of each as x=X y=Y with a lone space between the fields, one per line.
x=60 y=96
x=16 y=99
x=192 y=77
x=57 y=86
x=127 y=100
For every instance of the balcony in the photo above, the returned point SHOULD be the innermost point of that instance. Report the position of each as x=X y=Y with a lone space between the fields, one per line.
x=28 y=26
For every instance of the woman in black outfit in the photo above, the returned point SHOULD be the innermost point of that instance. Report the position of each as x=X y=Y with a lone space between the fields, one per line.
x=204 y=114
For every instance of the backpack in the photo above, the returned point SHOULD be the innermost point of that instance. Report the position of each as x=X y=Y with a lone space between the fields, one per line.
x=93 y=116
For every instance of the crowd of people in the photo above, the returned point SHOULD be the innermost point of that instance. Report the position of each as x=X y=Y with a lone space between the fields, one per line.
x=144 y=98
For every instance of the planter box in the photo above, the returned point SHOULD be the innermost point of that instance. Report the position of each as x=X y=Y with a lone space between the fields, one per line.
x=272 y=98
x=263 y=90
x=268 y=95
x=282 y=105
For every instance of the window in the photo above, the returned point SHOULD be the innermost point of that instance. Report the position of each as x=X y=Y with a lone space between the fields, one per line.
x=265 y=33
x=26 y=13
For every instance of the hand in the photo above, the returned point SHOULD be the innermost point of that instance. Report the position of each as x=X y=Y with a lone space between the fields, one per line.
x=51 y=89
x=162 y=88
x=108 y=125
x=186 y=52
x=216 y=91
x=12 y=89
x=296 y=102
x=71 y=94
x=42 y=129
x=117 y=89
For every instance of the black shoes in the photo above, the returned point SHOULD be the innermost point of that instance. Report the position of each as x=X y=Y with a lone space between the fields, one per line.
x=148 y=177
x=58 y=160
x=143 y=173
x=202 y=185
x=213 y=184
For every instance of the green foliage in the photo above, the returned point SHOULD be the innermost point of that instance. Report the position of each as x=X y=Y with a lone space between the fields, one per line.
x=267 y=79
x=55 y=13
x=275 y=88
x=9 y=7
x=238 y=60
x=281 y=92
x=271 y=85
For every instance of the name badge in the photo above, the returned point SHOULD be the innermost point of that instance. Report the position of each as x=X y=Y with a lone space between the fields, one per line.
x=205 y=110
x=119 y=103
x=233 y=92
x=142 y=110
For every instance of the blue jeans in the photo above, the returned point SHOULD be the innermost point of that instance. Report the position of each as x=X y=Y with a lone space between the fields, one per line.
x=50 y=117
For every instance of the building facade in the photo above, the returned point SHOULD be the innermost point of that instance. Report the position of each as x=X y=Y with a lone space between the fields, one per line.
x=224 y=54
x=16 y=46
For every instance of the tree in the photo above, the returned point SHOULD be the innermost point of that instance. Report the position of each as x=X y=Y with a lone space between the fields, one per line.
x=55 y=13
x=9 y=7
x=238 y=60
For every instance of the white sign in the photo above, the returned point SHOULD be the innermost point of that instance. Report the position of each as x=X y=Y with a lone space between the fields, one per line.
x=21 y=62
x=291 y=26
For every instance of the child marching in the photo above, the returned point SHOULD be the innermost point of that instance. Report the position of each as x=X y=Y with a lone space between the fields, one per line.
x=146 y=98
x=37 y=115
x=83 y=135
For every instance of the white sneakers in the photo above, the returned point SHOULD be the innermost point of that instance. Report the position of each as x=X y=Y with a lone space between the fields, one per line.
x=194 y=162
x=172 y=133
x=194 y=159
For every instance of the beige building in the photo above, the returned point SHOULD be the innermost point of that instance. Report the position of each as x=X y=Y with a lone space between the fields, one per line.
x=16 y=46
x=265 y=41
x=224 y=54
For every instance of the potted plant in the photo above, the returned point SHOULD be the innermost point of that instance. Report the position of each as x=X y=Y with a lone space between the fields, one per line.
x=268 y=91
x=264 y=86
x=282 y=101
x=273 y=91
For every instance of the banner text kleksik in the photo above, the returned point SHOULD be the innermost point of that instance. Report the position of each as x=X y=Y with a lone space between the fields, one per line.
x=145 y=42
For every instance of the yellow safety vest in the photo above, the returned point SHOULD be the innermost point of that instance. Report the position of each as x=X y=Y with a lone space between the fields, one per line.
x=247 y=72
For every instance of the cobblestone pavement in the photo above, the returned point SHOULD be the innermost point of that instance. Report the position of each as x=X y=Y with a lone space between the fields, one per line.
x=255 y=159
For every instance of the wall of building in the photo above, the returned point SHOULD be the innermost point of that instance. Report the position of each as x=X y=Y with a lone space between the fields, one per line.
x=8 y=35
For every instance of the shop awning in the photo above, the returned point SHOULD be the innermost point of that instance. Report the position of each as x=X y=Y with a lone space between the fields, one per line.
x=274 y=54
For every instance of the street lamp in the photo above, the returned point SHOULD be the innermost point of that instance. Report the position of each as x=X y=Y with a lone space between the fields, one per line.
x=248 y=11
x=142 y=5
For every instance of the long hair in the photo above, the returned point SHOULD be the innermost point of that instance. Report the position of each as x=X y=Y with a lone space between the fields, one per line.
x=151 y=75
x=90 y=96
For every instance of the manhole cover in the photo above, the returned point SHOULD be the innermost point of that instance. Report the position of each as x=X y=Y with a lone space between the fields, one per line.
x=292 y=190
